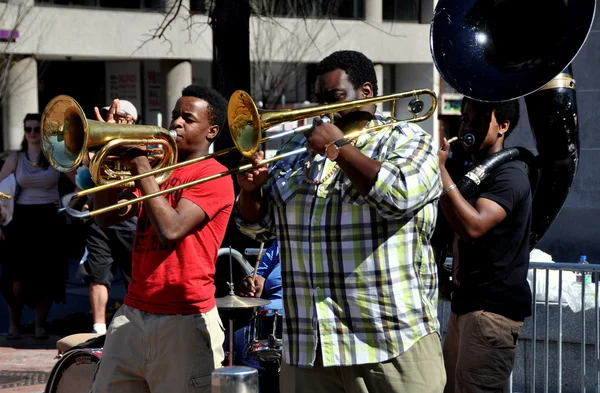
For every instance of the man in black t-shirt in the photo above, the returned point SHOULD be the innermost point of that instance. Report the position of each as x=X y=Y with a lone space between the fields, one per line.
x=491 y=256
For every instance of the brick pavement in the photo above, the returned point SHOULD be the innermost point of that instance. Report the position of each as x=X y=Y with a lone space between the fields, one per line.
x=25 y=363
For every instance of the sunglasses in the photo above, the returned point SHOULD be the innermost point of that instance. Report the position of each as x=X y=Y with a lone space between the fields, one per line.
x=29 y=129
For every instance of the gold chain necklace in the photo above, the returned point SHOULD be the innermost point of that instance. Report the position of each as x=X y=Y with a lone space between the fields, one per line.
x=32 y=163
x=327 y=176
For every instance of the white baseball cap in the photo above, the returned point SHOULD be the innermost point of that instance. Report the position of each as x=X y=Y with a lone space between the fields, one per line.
x=126 y=107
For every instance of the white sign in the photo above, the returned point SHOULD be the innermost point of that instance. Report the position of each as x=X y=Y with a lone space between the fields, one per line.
x=123 y=82
x=152 y=93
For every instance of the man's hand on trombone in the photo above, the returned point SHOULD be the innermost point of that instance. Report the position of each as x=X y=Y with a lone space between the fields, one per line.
x=253 y=179
x=322 y=134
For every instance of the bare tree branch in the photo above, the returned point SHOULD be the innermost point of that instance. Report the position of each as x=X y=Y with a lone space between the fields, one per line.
x=170 y=17
x=290 y=44
x=14 y=17
x=174 y=11
x=289 y=31
x=318 y=9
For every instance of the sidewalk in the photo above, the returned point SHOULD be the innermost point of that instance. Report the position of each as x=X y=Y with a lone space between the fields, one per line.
x=25 y=364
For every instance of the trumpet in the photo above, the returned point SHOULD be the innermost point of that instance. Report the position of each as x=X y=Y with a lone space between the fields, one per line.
x=4 y=196
x=247 y=124
x=67 y=137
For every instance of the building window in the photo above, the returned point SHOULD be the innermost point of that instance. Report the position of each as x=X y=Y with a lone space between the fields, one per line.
x=123 y=4
x=198 y=6
x=401 y=10
x=337 y=9
x=81 y=3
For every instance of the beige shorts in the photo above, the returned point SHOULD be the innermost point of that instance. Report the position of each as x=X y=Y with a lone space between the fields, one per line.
x=479 y=352
x=147 y=352
x=418 y=370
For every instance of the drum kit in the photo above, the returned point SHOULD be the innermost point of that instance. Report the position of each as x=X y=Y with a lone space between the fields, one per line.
x=263 y=335
x=74 y=371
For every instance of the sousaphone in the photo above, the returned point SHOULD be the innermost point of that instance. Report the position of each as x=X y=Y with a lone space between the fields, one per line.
x=499 y=50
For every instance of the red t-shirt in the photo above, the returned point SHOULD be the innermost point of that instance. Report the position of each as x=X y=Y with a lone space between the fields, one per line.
x=178 y=277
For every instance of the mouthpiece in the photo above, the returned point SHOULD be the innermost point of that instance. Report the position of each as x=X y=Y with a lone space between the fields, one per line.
x=467 y=139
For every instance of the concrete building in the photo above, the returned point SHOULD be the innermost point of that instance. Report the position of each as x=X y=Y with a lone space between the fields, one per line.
x=96 y=50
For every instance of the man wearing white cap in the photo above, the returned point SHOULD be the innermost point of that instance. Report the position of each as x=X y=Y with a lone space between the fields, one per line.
x=107 y=248
x=121 y=111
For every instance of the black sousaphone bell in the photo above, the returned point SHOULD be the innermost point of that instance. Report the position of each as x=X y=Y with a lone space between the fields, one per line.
x=499 y=50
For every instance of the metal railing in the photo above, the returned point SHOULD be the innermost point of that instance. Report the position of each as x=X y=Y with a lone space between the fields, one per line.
x=561 y=290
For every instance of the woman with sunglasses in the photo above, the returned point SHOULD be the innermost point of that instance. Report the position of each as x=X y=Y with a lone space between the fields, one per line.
x=37 y=274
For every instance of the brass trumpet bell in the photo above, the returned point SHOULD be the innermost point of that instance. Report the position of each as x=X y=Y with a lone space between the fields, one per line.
x=67 y=137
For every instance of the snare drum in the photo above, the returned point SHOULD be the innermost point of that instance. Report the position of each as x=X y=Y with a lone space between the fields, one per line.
x=74 y=371
x=263 y=337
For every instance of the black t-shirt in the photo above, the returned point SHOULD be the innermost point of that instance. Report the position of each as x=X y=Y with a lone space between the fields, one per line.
x=493 y=269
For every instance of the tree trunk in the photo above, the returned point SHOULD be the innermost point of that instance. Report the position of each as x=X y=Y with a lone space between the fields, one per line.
x=231 y=59
x=231 y=72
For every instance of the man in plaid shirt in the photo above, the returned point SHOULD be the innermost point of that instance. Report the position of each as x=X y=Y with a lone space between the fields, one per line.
x=354 y=219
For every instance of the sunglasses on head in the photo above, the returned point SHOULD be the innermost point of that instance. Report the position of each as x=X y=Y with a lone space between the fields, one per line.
x=29 y=129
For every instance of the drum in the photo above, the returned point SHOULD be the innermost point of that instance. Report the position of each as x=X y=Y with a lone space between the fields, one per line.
x=74 y=371
x=263 y=336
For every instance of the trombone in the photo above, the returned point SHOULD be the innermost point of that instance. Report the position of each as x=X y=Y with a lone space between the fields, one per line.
x=246 y=124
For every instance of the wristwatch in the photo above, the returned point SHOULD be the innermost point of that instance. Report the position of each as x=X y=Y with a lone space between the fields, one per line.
x=332 y=149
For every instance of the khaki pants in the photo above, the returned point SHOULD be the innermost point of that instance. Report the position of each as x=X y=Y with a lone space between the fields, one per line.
x=147 y=352
x=479 y=352
x=420 y=369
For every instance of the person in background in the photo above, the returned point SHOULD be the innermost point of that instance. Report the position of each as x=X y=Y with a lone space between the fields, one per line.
x=120 y=111
x=492 y=297
x=168 y=336
x=266 y=285
x=35 y=271
x=107 y=248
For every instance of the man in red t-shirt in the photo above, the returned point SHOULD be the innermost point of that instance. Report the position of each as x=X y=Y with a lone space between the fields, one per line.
x=168 y=337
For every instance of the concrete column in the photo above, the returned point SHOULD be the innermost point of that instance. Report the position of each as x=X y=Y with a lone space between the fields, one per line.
x=380 y=81
x=374 y=11
x=175 y=75
x=20 y=98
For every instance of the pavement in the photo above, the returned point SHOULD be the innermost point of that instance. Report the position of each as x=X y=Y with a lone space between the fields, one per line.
x=25 y=364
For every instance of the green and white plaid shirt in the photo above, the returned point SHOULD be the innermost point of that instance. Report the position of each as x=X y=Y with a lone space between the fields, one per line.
x=358 y=273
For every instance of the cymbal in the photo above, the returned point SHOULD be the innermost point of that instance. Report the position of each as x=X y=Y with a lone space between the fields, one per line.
x=233 y=301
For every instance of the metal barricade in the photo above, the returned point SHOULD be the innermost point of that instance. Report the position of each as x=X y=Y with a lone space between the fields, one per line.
x=588 y=378
x=559 y=345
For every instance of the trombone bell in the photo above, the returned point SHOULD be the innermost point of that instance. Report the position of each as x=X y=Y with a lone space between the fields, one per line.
x=67 y=137
x=244 y=123
x=247 y=123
